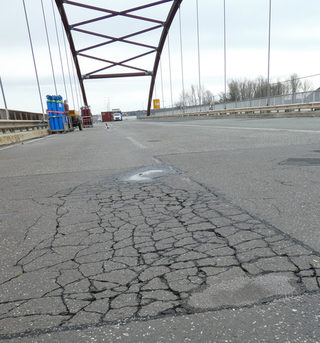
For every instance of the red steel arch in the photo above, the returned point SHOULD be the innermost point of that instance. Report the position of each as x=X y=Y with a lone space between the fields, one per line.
x=153 y=24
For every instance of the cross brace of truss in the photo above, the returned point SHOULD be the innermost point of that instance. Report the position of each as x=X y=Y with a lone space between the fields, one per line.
x=128 y=13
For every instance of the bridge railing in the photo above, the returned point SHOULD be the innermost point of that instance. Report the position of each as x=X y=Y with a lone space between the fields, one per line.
x=12 y=126
x=281 y=100
x=20 y=115
x=21 y=121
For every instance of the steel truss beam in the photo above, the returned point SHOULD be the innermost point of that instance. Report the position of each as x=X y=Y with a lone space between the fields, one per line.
x=127 y=39
x=65 y=22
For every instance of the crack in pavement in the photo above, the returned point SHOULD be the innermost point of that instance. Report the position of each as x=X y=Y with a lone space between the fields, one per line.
x=122 y=251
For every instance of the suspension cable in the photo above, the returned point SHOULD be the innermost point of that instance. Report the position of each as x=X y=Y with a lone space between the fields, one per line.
x=155 y=90
x=170 y=74
x=67 y=58
x=298 y=78
x=4 y=100
x=34 y=60
x=225 y=53
x=48 y=43
x=75 y=85
x=58 y=41
x=181 y=54
x=78 y=89
x=161 y=76
x=269 y=42
x=199 y=62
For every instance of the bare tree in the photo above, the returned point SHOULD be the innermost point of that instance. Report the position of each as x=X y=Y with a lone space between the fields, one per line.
x=239 y=90
x=299 y=85
x=295 y=83
x=195 y=96
x=207 y=98
x=306 y=86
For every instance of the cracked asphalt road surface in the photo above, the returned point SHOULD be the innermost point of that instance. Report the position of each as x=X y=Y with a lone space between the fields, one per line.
x=108 y=251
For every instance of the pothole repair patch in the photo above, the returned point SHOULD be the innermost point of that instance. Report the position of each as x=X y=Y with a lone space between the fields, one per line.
x=230 y=290
x=108 y=252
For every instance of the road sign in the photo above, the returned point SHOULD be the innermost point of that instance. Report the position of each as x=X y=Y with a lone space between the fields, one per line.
x=156 y=103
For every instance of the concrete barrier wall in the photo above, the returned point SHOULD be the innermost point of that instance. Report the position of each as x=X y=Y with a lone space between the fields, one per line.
x=16 y=137
x=21 y=126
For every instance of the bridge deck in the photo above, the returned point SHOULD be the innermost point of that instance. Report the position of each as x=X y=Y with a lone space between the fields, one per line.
x=185 y=224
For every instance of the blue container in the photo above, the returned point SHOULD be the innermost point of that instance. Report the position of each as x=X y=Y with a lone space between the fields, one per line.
x=60 y=109
x=56 y=114
x=50 y=106
x=56 y=108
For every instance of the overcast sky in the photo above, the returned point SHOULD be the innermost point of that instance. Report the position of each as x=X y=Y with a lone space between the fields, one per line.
x=295 y=48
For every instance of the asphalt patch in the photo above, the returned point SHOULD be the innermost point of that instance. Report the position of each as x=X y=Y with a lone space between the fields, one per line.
x=108 y=252
x=227 y=290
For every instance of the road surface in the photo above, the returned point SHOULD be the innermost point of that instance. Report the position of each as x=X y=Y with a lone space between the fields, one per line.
x=163 y=231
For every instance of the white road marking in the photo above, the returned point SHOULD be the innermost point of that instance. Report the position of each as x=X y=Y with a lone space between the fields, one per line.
x=35 y=140
x=242 y=128
x=24 y=142
x=253 y=128
x=136 y=143
x=7 y=147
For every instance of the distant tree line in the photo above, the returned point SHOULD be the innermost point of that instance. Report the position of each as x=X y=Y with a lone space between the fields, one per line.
x=253 y=89
x=238 y=90
x=195 y=96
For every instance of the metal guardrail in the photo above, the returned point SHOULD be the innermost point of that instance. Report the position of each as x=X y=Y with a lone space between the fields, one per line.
x=311 y=97
x=12 y=126
x=19 y=121
x=304 y=109
x=21 y=115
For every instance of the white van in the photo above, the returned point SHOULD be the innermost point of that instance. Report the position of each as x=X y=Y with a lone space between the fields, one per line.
x=117 y=116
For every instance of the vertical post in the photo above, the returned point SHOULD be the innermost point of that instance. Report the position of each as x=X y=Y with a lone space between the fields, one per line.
x=170 y=73
x=199 y=64
x=155 y=90
x=293 y=87
x=4 y=99
x=181 y=54
x=225 y=53
x=75 y=86
x=162 y=92
x=269 y=42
